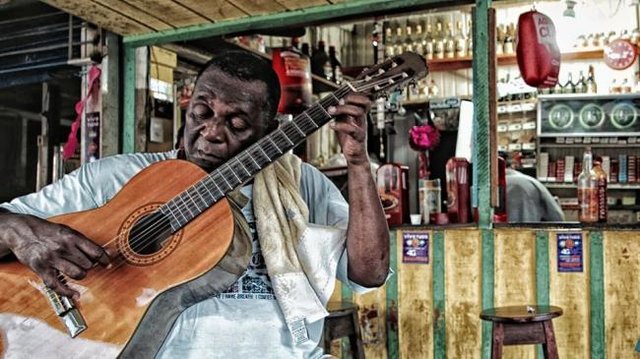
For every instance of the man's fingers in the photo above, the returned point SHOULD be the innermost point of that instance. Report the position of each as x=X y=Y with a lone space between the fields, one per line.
x=52 y=280
x=350 y=129
x=69 y=269
x=93 y=251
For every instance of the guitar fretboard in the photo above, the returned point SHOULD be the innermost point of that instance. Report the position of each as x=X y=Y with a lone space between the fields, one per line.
x=241 y=168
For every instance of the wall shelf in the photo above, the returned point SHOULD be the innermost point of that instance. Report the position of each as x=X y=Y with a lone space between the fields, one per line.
x=609 y=186
x=466 y=62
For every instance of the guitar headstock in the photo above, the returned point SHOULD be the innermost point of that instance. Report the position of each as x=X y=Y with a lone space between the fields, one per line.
x=391 y=74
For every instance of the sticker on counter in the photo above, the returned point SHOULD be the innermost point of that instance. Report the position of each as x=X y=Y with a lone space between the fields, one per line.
x=570 y=252
x=415 y=247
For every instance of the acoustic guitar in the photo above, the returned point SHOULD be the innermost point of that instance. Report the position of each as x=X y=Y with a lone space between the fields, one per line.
x=168 y=244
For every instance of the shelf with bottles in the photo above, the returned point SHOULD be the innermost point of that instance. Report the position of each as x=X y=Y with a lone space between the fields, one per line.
x=561 y=168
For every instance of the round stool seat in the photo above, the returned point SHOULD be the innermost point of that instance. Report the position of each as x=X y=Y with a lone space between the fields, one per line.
x=523 y=324
x=521 y=313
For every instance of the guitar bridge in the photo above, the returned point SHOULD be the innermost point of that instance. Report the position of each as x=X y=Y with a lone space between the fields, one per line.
x=67 y=312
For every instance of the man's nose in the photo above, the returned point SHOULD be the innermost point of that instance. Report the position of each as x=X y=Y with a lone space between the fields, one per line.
x=213 y=131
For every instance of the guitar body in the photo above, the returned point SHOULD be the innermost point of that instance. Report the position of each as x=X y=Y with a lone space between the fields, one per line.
x=115 y=299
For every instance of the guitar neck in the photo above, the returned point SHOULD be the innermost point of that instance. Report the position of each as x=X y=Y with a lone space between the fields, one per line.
x=244 y=166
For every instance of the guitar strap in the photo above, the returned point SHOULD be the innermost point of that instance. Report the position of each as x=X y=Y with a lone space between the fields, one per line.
x=156 y=324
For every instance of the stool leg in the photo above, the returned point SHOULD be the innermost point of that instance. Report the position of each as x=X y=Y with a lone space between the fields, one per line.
x=497 y=341
x=549 y=347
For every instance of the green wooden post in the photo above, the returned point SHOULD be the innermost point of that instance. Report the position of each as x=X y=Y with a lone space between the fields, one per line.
x=542 y=274
x=129 y=113
x=392 y=299
x=481 y=157
x=439 y=297
x=596 y=269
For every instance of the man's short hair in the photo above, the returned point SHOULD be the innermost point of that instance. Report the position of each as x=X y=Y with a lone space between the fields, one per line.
x=246 y=66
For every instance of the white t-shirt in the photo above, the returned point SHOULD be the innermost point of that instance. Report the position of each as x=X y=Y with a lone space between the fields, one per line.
x=243 y=322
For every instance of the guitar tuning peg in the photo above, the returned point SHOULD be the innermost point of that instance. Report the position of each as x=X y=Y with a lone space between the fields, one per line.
x=381 y=71
x=394 y=64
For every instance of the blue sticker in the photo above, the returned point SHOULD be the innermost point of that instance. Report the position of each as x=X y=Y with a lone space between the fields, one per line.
x=570 y=252
x=415 y=247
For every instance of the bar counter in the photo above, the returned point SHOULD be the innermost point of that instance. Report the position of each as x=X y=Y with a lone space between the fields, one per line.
x=431 y=310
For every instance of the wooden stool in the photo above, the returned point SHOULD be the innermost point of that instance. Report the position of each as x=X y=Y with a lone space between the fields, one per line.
x=343 y=322
x=523 y=324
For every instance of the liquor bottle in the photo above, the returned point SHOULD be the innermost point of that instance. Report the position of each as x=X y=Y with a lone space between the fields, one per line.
x=408 y=39
x=581 y=85
x=460 y=41
x=336 y=67
x=569 y=86
x=418 y=44
x=509 y=37
x=428 y=43
x=398 y=47
x=601 y=188
x=587 y=191
x=449 y=43
x=438 y=44
x=500 y=39
x=389 y=41
x=321 y=66
x=592 y=87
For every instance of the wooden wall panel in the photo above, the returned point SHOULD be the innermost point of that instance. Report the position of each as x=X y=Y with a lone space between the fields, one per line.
x=213 y=10
x=622 y=293
x=370 y=304
x=515 y=276
x=100 y=15
x=570 y=291
x=415 y=307
x=463 y=289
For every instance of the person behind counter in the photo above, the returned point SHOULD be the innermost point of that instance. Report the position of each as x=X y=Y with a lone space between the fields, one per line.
x=528 y=200
x=234 y=105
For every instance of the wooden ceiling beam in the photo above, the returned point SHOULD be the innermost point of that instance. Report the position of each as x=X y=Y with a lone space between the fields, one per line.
x=214 y=10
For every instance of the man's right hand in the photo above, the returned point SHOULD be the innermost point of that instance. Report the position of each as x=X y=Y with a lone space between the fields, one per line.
x=50 y=249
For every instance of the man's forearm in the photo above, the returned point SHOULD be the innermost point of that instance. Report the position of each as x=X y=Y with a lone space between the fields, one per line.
x=368 y=233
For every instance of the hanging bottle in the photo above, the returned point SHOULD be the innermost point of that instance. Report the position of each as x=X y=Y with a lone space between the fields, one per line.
x=418 y=44
x=587 y=191
x=408 y=39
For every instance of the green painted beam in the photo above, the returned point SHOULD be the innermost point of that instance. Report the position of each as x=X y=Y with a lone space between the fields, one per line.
x=439 y=297
x=488 y=280
x=596 y=268
x=481 y=80
x=301 y=17
x=542 y=267
x=542 y=274
x=129 y=111
x=392 y=299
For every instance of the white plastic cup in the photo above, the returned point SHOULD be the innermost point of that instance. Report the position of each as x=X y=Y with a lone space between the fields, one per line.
x=416 y=219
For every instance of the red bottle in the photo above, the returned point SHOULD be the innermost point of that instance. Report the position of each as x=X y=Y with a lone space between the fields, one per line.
x=458 y=191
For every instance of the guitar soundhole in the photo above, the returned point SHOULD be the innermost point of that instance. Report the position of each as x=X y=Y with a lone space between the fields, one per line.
x=150 y=234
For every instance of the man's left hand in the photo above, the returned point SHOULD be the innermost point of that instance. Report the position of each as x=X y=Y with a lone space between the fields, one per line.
x=351 y=127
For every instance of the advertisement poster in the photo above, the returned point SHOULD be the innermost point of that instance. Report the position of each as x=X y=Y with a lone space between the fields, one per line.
x=415 y=247
x=570 y=252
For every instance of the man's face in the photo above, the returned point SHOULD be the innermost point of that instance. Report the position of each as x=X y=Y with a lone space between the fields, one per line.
x=224 y=117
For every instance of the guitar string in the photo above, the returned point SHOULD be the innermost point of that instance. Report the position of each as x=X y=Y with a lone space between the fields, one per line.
x=146 y=238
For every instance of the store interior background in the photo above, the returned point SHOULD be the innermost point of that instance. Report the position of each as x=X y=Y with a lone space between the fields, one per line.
x=24 y=74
